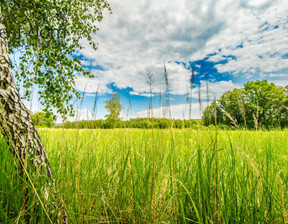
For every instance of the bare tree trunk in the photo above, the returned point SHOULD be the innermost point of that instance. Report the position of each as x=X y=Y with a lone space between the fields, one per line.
x=15 y=123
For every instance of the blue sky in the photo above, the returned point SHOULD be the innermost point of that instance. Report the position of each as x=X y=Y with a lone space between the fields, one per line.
x=231 y=41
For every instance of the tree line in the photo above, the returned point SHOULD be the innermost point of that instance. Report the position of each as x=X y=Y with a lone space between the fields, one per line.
x=259 y=104
x=145 y=123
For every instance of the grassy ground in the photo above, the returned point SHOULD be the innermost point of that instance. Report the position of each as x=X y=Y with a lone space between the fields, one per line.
x=157 y=176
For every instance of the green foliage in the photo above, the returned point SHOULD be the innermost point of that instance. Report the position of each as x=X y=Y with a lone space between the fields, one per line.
x=208 y=117
x=259 y=103
x=48 y=39
x=265 y=101
x=232 y=103
x=113 y=106
x=43 y=119
x=143 y=123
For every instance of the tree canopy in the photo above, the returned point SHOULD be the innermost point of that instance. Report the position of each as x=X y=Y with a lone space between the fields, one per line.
x=42 y=119
x=113 y=106
x=208 y=116
x=258 y=103
x=45 y=35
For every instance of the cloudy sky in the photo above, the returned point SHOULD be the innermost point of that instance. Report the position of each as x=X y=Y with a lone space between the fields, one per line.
x=228 y=41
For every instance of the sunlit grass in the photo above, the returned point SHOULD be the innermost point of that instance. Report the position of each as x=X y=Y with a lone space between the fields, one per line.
x=158 y=176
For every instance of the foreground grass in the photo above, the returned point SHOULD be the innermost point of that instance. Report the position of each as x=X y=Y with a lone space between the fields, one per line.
x=157 y=176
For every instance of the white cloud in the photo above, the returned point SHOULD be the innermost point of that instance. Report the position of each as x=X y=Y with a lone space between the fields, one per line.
x=81 y=114
x=141 y=94
x=281 y=82
x=85 y=84
x=262 y=32
x=278 y=75
x=142 y=34
x=179 y=111
x=215 y=89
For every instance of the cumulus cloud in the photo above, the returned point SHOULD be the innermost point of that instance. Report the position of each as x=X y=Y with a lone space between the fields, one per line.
x=215 y=89
x=250 y=37
x=256 y=38
x=92 y=85
x=80 y=115
x=141 y=94
x=283 y=81
x=180 y=111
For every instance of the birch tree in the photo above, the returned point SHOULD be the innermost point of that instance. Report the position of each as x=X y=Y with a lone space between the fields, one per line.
x=46 y=33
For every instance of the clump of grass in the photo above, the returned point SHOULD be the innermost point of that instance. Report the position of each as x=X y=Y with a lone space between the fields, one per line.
x=217 y=164
x=282 y=199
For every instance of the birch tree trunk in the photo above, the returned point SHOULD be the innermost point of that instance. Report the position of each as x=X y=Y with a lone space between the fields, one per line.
x=15 y=123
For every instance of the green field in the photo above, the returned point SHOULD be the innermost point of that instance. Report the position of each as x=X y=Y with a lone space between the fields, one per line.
x=157 y=176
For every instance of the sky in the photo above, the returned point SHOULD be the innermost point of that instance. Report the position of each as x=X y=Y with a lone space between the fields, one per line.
x=229 y=42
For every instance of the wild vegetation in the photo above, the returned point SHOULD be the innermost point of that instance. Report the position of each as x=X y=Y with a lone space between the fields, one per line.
x=257 y=104
x=45 y=36
x=42 y=119
x=177 y=175
x=144 y=123
x=156 y=176
x=147 y=175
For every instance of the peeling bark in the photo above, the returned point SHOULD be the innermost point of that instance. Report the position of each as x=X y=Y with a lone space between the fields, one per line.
x=15 y=123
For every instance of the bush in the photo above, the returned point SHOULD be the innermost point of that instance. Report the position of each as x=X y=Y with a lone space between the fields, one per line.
x=42 y=119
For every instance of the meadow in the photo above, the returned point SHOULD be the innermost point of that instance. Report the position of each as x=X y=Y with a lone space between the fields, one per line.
x=157 y=176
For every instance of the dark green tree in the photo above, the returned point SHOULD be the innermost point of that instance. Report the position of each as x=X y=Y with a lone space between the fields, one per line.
x=113 y=106
x=285 y=108
x=264 y=101
x=47 y=35
x=259 y=103
x=232 y=103
x=208 y=116
x=43 y=119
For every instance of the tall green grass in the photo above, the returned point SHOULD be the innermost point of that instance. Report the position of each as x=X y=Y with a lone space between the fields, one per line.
x=155 y=176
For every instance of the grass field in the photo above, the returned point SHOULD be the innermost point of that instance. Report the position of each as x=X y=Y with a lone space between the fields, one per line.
x=157 y=176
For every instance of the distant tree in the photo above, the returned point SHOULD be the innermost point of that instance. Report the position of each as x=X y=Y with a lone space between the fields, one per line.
x=285 y=109
x=42 y=119
x=178 y=124
x=232 y=103
x=209 y=115
x=114 y=107
x=259 y=103
x=264 y=101
x=145 y=123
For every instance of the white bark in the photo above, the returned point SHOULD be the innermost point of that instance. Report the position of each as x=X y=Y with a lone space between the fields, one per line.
x=15 y=123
